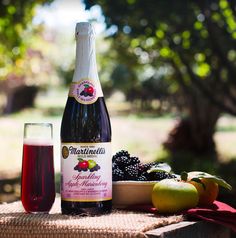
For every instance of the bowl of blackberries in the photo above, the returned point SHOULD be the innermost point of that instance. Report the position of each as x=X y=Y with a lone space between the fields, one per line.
x=133 y=180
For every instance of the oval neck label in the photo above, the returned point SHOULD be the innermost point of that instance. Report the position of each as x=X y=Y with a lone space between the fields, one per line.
x=84 y=91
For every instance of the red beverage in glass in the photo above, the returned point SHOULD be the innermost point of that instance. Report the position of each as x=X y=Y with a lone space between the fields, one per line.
x=37 y=181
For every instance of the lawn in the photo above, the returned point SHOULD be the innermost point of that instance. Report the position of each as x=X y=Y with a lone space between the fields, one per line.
x=142 y=136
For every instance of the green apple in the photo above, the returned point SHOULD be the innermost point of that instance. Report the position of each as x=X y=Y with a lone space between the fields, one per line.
x=170 y=196
x=91 y=163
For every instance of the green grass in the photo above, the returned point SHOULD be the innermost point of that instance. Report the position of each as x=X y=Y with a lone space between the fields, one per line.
x=226 y=128
x=141 y=136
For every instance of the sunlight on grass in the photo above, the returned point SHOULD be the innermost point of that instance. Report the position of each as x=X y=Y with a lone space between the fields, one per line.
x=141 y=136
x=226 y=137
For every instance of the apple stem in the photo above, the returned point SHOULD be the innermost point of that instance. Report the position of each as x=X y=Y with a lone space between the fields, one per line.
x=184 y=176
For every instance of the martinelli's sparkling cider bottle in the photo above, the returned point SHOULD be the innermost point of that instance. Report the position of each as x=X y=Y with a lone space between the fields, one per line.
x=86 y=161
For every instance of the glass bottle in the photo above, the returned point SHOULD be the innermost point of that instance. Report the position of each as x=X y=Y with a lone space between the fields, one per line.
x=86 y=161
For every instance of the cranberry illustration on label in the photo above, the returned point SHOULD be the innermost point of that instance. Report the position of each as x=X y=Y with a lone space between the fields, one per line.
x=85 y=165
x=88 y=91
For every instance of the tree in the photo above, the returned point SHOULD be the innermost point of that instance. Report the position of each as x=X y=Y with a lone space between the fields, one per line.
x=195 y=40
x=15 y=35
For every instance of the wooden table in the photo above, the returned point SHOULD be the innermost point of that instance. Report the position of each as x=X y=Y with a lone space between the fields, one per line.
x=190 y=229
x=15 y=223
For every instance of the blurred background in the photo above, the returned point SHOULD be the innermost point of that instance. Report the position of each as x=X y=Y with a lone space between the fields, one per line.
x=167 y=68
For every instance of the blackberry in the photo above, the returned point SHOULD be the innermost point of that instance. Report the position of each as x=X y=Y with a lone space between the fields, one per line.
x=135 y=160
x=123 y=161
x=119 y=154
x=131 y=172
x=142 y=168
x=142 y=178
x=77 y=168
x=95 y=168
x=146 y=167
x=146 y=175
x=117 y=174
x=152 y=164
x=114 y=165
x=170 y=176
x=160 y=175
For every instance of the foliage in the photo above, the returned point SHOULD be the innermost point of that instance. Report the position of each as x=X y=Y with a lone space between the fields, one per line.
x=195 y=39
x=23 y=65
x=192 y=45
x=15 y=29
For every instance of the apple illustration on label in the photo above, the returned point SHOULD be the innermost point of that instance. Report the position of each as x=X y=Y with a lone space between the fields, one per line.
x=88 y=91
x=85 y=165
x=91 y=164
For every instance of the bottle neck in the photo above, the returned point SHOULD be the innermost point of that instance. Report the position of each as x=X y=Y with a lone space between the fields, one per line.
x=85 y=87
x=85 y=64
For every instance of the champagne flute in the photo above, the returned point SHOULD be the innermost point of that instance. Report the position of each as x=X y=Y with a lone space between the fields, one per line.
x=37 y=179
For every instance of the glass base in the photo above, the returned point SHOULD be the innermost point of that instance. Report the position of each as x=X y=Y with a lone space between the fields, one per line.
x=37 y=212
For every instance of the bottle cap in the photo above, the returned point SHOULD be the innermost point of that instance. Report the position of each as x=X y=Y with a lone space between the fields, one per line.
x=84 y=28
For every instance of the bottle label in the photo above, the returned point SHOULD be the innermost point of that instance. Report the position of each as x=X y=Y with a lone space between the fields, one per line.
x=85 y=91
x=86 y=172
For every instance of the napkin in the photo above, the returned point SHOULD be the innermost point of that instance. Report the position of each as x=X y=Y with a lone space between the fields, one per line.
x=218 y=212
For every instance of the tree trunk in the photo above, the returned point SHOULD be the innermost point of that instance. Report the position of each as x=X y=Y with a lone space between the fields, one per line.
x=193 y=136
x=19 y=98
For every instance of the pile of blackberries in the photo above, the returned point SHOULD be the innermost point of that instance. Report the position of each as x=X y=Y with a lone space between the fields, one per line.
x=126 y=167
